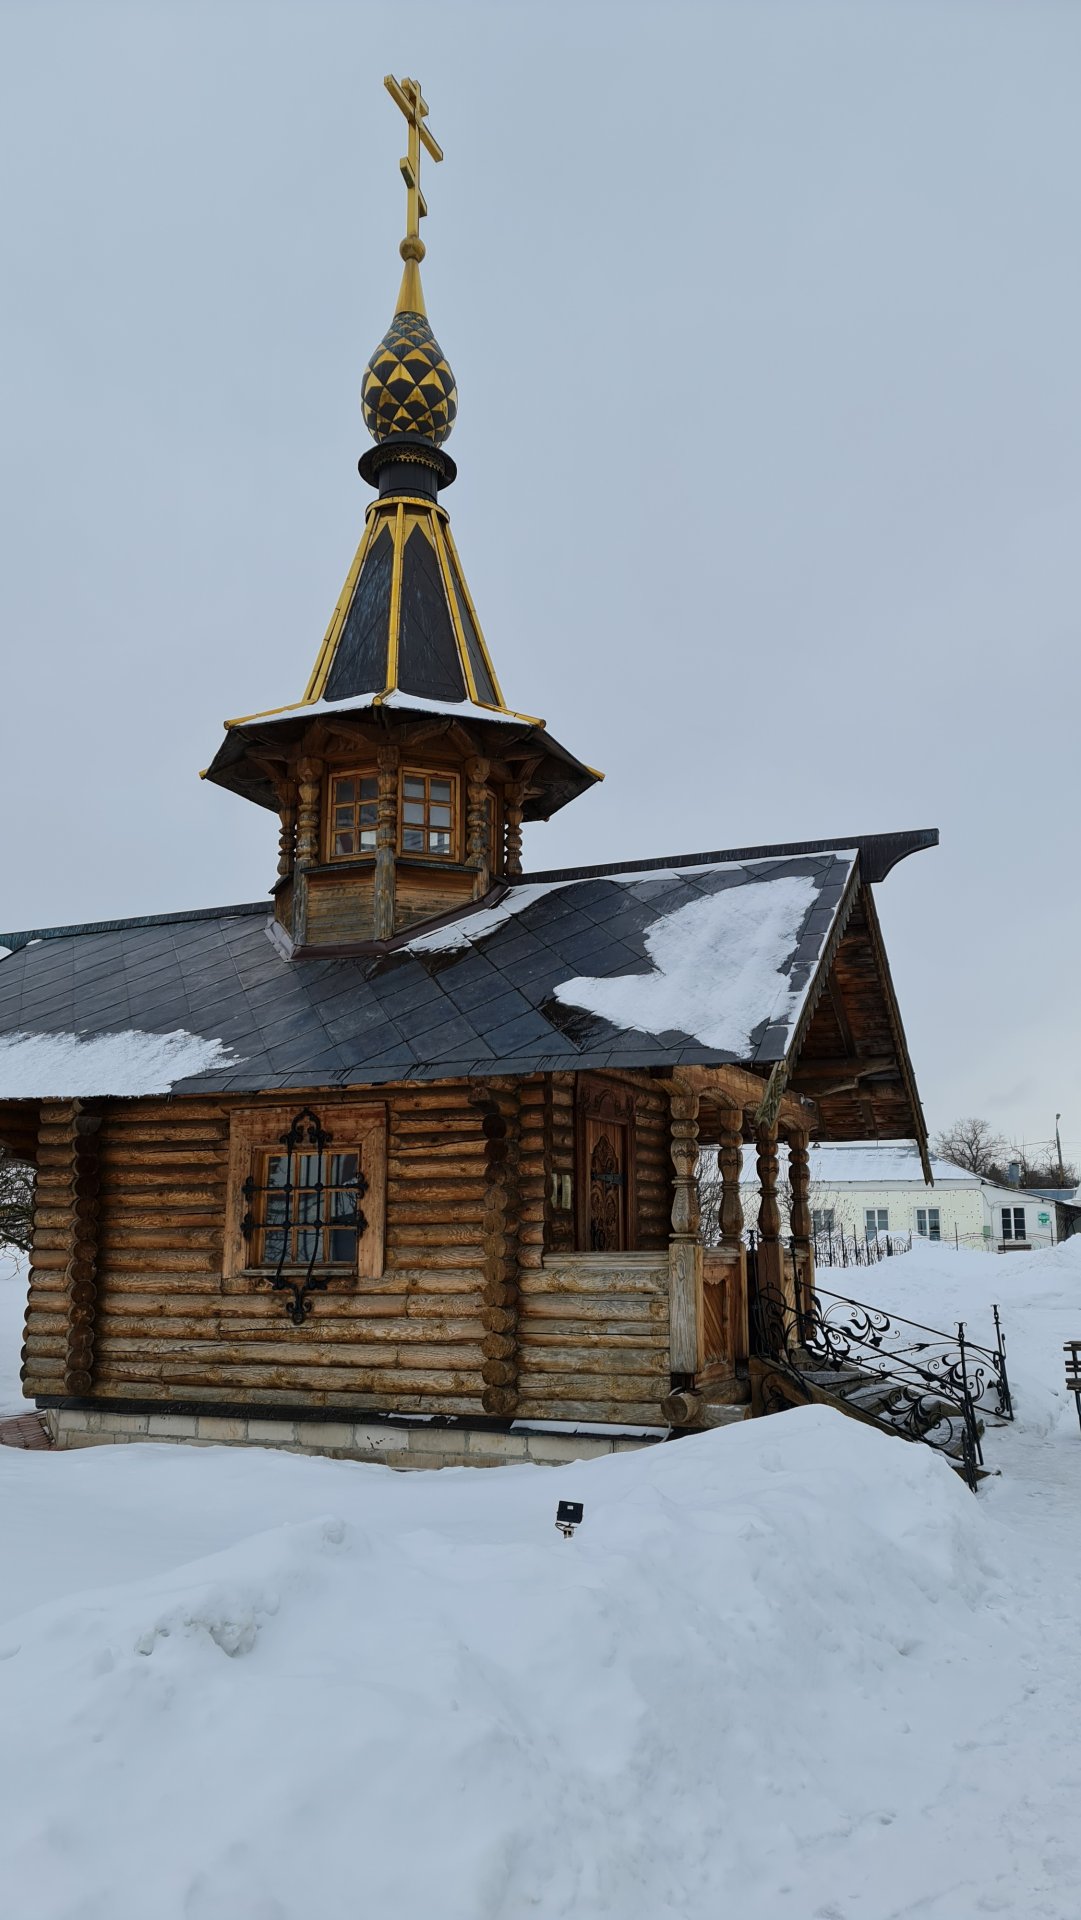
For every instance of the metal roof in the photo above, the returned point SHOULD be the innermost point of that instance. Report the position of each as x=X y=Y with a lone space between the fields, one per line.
x=486 y=1005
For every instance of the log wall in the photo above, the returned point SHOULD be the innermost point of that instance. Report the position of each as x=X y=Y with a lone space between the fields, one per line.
x=593 y=1330
x=422 y=1338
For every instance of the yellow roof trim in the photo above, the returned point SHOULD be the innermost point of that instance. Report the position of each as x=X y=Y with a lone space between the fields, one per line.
x=477 y=628
x=324 y=658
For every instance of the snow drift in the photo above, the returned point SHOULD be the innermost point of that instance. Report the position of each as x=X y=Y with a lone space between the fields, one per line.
x=792 y=1669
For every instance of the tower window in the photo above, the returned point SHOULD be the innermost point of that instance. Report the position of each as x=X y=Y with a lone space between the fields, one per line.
x=429 y=814
x=354 y=801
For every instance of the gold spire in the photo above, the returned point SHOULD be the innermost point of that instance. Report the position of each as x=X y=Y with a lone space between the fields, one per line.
x=408 y=385
x=407 y=95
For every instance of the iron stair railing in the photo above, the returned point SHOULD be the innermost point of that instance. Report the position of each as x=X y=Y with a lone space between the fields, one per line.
x=913 y=1380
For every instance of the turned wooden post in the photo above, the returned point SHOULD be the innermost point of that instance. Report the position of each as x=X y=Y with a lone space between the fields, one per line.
x=684 y=1248
x=771 y=1261
x=386 y=843
x=730 y=1160
x=309 y=774
x=287 y=836
x=799 y=1184
x=515 y=800
x=479 y=852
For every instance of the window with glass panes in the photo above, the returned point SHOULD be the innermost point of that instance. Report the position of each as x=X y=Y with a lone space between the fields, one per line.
x=305 y=1209
x=429 y=809
x=928 y=1223
x=1013 y=1223
x=876 y=1221
x=354 y=799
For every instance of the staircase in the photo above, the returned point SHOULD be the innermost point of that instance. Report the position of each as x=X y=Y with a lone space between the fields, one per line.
x=914 y=1382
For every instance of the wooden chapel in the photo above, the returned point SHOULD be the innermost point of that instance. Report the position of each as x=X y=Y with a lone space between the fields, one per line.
x=401 y=1164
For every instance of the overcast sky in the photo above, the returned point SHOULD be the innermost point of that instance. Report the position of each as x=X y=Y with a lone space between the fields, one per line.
x=766 y=323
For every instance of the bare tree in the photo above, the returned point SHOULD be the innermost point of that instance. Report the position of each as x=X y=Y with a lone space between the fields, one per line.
x=1040 y=1168
x=974 y=1145
x=16 y=1202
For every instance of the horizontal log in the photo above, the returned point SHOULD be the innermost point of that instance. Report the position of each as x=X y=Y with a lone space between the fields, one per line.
x=617 y=1367
x=338 y=1335
x=612 y=1412
x=592 y=1310
x=192 y=1160
x=295 y=1384
x=404 y=1258
x=436 y=1233
x=161 y=1262
x=611 y=1342
x=583 y=1280
x=138 y=1235
x=274 y=1402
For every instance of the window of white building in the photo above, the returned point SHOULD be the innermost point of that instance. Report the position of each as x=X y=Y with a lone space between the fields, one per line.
x=876 y=1220
x=928 y=1223
x=1013 y=1223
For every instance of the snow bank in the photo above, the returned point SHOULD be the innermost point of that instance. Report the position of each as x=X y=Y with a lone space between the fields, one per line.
x=63 y=1066
x=716 y=968
x=791 y=1671
x=749 y=1684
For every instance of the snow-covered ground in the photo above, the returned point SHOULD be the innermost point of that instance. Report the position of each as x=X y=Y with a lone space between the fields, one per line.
x=790 y=1671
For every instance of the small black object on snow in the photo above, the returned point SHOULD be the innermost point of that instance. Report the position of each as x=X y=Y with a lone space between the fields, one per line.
x=568 y=1516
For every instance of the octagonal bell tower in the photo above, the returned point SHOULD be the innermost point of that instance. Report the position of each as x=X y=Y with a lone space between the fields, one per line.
x=401 y=778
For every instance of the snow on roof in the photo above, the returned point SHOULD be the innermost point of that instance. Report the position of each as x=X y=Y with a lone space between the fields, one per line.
x=881 y=1164
x=63 y=1066
x=409 y=702
x=716 y=967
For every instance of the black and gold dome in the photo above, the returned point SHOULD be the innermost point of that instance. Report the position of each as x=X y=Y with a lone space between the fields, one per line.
x=408 y=386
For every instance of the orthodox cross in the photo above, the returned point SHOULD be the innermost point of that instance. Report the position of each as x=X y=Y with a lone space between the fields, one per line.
x=407 y=95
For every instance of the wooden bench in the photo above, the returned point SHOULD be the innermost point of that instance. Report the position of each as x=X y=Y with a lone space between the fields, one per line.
x=1072 y=1350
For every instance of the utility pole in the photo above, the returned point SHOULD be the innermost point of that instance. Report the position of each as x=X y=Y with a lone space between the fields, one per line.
x=1058 y=1146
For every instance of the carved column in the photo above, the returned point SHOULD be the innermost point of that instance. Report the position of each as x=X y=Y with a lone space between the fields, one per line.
x=386 y=844
x=310 y=776
x=684 y=1250
x=501 y=1126
x=287 y=836
x=515 y=800
x=799 y=1184
x=730 y=1160
x=478 y=850
x=771 y=1261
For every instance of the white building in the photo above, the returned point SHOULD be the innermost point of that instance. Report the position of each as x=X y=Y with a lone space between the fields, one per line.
x=872 y=1191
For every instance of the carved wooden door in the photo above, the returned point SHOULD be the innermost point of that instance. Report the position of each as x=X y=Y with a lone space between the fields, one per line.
x=606 y=1149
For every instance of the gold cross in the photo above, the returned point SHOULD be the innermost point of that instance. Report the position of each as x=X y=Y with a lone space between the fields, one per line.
x=407 y=95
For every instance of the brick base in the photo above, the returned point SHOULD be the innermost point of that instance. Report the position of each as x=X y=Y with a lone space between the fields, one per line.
x=380 y=1442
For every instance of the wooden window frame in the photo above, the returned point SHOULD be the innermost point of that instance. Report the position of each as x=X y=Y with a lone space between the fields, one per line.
x=598 y=1100
x=428 y=774
x=345 y=773
x=254 y=1131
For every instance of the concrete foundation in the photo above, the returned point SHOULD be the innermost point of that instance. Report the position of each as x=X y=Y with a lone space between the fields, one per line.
x=380 y=1442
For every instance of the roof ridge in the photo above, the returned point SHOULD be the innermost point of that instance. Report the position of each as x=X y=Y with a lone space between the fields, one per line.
x=878 y=853
x=13 y=941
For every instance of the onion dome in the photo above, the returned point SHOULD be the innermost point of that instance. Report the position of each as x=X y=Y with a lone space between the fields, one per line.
x=408 y=386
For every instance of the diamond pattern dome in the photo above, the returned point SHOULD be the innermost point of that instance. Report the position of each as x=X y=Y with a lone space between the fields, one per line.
x=408 y=386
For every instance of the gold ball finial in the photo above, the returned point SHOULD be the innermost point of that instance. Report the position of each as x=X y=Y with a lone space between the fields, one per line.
x=413 y=248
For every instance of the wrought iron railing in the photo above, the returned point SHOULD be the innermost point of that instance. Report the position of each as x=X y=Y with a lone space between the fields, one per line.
x=919 y=1381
